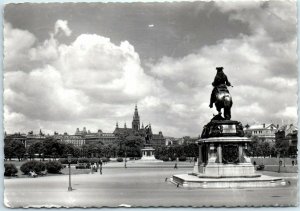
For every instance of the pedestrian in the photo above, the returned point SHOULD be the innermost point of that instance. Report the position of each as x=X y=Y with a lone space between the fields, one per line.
x=175 y=166
x=166 y=179
x=91 y=166
x=100 y=167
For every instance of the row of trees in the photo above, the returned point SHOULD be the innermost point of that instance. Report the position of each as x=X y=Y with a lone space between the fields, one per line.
x=51 y=148
x=261 y=148
x=177 y=151
x=131 y=147
x=48 y=148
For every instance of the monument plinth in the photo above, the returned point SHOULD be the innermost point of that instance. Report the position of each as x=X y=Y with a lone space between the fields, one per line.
x=222 y=151
x=222 y=161
x=148 y=150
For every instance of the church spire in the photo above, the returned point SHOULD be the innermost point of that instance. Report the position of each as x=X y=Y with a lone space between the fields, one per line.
x=117 y=125
x=136 y=119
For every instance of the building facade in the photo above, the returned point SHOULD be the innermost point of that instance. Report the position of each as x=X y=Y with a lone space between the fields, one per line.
x=265 y=132
x=139 y=131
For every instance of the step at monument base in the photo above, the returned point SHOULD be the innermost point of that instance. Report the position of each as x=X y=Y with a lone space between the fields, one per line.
x=192 y=181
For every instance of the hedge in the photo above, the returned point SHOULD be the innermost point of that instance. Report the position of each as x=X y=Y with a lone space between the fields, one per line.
x=94 y=160
x=54 y=167
x=10 y=169
x=119 y=159
x=33 y=165
x=65 y=160
x=83 y=160
x=182 y=158
x=164 y=158
x=105 y=159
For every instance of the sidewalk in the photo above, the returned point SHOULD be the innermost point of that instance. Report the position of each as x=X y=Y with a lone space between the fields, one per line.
x=139 y=164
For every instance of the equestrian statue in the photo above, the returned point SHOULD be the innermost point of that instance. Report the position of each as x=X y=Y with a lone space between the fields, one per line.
x=220 y=95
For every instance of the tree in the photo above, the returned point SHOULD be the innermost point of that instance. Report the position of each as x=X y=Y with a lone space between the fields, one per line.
x=53 y=148
x=282 y=147
x=36 y=148
x=265 y=148
x=254 y=148
x=14 y=148
x=93 y=149
x=8 y=151
x=133 y=145
x=70 y=149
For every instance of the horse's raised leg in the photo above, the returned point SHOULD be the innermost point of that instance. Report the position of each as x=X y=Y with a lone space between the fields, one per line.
x=227 y=113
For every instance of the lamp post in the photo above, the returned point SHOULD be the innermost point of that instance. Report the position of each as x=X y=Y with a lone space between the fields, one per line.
x=125 y=166
x=69 y=161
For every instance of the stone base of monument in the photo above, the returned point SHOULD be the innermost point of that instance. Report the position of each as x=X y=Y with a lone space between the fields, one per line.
x=219 y=170
x=194 y=181
x=223 y=162
x=148 y=155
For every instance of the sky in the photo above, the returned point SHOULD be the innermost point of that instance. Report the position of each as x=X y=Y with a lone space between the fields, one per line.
x=70 y=65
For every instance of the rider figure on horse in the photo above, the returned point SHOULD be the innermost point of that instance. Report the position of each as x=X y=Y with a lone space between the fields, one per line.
x=220 y=80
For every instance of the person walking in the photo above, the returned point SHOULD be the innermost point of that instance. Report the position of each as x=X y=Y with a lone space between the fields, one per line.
x=100 y=167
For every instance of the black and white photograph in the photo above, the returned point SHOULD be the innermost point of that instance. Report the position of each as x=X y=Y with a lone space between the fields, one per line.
x=150 y=104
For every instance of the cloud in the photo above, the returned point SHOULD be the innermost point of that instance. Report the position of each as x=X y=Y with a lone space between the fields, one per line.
x=16 y=46
x=261 y=66
x=62 y=25
x=93 y=81
x=87 y=79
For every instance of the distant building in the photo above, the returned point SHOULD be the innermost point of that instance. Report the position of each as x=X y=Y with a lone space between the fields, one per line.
x=32 y=138
x=100 y=137
x=290 y=133
x=170 y=141
x=265 y=132
x=77 y=141
x=139 y=131
x=16 y=136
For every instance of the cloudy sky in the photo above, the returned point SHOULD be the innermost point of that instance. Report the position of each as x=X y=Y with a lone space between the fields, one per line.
x=74 y=65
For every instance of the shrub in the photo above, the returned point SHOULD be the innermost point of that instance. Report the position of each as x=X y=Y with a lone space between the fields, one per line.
x=65 y=160
x=105 y=159
x=33 y=165
x=164 y=158
x=94 y=160
x=54 y=167
x=10 y=169
x=119 y=159
x=173 y=158
x=182 y=158
x=83 y=160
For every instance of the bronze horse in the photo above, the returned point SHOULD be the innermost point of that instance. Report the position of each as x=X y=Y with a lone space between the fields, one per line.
x=223 y=100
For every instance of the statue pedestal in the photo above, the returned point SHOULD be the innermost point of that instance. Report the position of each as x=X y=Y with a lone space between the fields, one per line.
x=222 y=162
x=148 y=155
x=224 y=157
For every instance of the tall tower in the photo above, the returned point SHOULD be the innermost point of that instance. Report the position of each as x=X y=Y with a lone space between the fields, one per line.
x=136 y=120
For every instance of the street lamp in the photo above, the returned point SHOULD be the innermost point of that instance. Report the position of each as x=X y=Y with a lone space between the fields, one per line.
x=125 y=158
x=69 y=161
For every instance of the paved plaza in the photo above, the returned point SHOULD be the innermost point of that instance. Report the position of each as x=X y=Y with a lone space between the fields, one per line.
x=138 y=187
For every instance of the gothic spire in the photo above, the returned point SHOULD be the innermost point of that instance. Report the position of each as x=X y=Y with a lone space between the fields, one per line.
x=136 y=119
